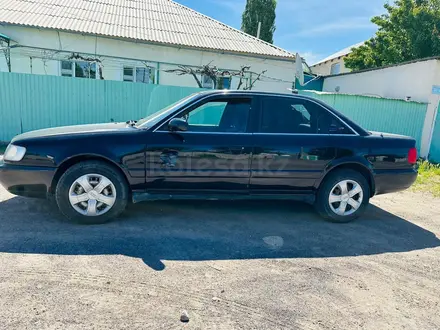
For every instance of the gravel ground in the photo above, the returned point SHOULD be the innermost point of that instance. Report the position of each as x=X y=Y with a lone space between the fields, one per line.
x=230 y=265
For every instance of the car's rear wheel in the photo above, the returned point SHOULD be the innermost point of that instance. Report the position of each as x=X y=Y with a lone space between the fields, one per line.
x=343 y=196
x=92 y=192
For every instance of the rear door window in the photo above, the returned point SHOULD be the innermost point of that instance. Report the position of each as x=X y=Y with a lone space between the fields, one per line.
x=289 y=115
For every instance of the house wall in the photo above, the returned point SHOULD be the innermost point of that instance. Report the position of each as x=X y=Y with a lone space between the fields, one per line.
x=413 y=80
x=398 y=82
x=150 y=53
x=324 y=69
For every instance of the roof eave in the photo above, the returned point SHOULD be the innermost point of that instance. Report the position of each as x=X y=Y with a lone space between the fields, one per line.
x=385 y=67
x=214 y=50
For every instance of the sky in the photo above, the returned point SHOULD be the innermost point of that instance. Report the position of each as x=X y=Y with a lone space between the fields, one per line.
x=313 y=28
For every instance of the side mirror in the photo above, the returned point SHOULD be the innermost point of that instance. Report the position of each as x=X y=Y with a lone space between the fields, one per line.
x=177 y=124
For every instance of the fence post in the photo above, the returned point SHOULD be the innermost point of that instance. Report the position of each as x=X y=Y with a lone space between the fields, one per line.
x=429 y=125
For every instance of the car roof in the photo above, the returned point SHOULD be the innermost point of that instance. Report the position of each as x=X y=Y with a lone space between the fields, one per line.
x=352 y=124
x=242 y=92
x=252 y=93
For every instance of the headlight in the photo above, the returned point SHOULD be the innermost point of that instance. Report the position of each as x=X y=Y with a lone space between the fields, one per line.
x=14 y=153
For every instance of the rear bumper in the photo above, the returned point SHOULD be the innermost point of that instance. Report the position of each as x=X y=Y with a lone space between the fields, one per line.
x=29 y=181
x=393 y=181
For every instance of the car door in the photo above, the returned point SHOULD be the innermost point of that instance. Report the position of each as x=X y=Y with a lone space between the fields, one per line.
x=213 y=155
x=293 y=146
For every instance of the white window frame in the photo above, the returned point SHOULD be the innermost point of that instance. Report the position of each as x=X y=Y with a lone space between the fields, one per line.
x=229 y=77
x=134 y=68
x=207 y=82
x=133 y=77
x=335 y=68
x=73 y=71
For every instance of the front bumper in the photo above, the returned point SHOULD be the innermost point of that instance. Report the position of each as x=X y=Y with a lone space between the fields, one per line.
x=29 y=181
x=393 y=181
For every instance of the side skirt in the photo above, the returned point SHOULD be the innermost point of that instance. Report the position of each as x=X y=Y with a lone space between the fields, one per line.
x=144 y=197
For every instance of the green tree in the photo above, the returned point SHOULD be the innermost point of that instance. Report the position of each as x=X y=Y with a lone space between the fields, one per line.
x=260 y=11
x=409 y=30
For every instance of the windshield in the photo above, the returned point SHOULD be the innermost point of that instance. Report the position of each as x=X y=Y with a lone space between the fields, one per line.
x=156 y=117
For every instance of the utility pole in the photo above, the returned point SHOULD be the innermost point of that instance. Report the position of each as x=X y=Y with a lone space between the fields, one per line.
x=259 y=30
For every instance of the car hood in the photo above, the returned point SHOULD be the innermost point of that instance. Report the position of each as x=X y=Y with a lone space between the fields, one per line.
x=77 y=129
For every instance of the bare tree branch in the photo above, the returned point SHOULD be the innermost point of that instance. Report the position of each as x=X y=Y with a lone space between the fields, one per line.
x=80 y=57
x=255 y=80
x=77 y=56
x=241 y=74
x=183 y=70
x=214 y=73
x=147 y=65
x=210 y=71
x=199 y=83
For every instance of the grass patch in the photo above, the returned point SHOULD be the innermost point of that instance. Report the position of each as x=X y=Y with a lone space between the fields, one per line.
x=428 y=179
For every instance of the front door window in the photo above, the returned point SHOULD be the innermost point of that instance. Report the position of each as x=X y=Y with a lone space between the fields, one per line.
x=218 y=116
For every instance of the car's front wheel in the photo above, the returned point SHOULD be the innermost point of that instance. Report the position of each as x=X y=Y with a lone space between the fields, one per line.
x=91 y=192
x=343 y=196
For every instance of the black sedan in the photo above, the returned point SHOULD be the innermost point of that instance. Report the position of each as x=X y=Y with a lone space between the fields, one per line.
x=212 y=145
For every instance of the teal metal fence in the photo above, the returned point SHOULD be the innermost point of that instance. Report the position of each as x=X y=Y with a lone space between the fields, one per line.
x=434 y=153
x=379 y=114
x=30 y=102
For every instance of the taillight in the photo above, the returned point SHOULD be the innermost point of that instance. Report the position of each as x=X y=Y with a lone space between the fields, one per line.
x=412 y=156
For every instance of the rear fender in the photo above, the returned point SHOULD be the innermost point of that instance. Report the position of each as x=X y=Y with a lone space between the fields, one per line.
x=359 y=164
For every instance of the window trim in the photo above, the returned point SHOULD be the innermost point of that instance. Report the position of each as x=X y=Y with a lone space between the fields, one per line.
x=300 y=100
x=214 y=133
x=255 y=109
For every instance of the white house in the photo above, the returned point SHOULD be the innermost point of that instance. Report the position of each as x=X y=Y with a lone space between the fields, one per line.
x=417 y=81
x=133 y=41
x=334 y=64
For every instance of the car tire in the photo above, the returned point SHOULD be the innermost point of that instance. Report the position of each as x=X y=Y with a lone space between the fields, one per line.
x=332 y=198
x=93 y=210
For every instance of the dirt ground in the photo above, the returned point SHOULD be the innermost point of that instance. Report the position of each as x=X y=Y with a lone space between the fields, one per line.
x=230 y=265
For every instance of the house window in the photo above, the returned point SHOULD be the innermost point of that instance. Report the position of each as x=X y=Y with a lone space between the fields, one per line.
x=78 y=69
x=224 y=83
x=144 y=75
x=128 y=74
x=335 y=68
x=66 y=69
x=207 y=82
